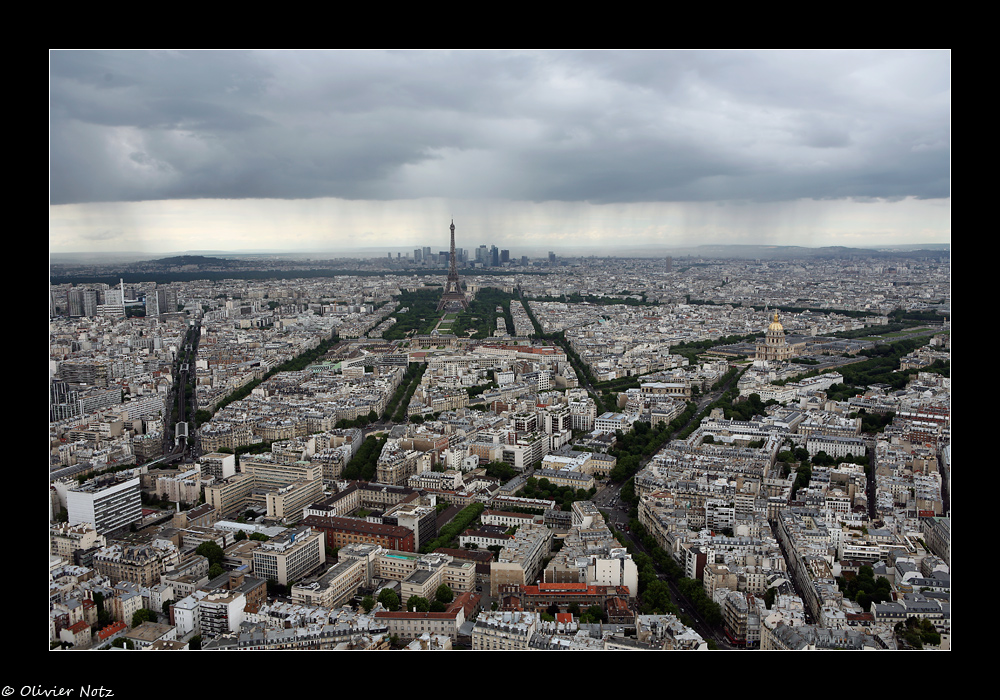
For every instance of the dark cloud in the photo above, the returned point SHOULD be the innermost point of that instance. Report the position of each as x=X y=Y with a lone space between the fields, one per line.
x=599 y=126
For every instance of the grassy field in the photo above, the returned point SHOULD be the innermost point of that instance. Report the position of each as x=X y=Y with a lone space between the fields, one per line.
x=908 y=331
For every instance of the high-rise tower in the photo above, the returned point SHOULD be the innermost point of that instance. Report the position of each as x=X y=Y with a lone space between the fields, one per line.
x=453 y=296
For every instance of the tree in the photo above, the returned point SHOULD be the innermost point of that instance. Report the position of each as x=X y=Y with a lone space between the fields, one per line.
x=215 y=570
x=593 y=615
x=143 y=615
x=103 y=616
x=416 y=603
x=389 y=599
x=500 y=470
x=597 y=613
x=368 y=603
x=211 y=551
x=444 y=594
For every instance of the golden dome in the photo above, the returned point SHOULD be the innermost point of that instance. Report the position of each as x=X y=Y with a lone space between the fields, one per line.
x=775 y=326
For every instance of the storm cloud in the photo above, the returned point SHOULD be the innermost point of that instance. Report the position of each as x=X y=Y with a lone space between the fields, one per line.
x=591 y=126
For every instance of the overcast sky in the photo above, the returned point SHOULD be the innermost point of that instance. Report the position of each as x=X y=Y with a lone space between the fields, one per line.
x=333 y=150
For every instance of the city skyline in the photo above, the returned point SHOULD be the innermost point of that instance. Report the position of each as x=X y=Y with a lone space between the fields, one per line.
x=293 y=151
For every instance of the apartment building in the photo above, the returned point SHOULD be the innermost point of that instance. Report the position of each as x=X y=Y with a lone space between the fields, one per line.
x=274 y=475
x=741 y=619
x=214 y=437
x=567 y=477
x=450 y=480
x=459 y=575
x=617 y=570
x=396 y=466
x=287 y=503
x=718 y=576
x=218 y=464
x=237 y=581
x=674 y=390
x=412 y=625
x=290 y=556
x=526 y=449
x=106 y=503
x=484 y=537
x=520 y=561
x=539 y=597
x=610 y=422
x=381 y=496
x=425 y=579
x=835 y=445
x=508 y=519
x=333 y=588
x=332 y=460
x=181 y=487
x=65 y=539
x=583 y=414
x=232 y=496
x=340 y=503
x=140 y=564
x=221 y=612
x=937 y=533
x=504 y=631
x=148 y=633
x=341 y=531
x=422 y=520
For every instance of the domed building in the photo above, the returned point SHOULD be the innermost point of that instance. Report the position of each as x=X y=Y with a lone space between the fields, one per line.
x=774 y=348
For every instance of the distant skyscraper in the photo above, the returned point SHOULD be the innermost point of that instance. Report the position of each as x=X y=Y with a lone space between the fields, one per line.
x=670 y=263
x=504 y=256
x=453 y=296
x=114 y=297
x=152 y=304
x=82 y=302
x=552 y=258
x=161 y=301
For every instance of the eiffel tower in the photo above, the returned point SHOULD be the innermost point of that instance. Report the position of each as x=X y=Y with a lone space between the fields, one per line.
x=453 y=297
